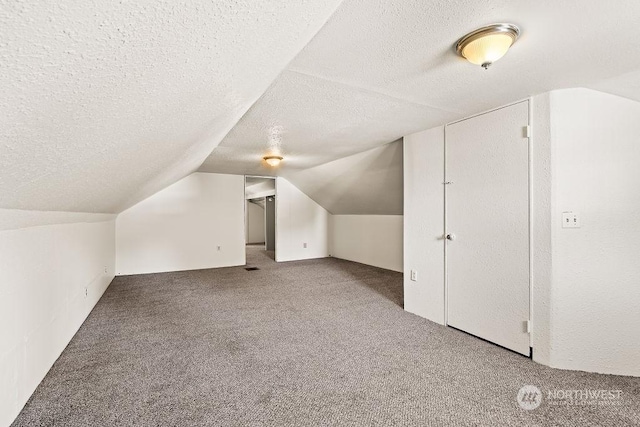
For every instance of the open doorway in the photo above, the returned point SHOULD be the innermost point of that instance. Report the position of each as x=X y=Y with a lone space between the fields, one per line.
x=260 y=219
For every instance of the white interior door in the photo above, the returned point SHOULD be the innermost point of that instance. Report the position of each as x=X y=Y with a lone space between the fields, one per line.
x=487 y=216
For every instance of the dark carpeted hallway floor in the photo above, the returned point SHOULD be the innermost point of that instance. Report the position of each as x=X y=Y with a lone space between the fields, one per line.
x=313 y=343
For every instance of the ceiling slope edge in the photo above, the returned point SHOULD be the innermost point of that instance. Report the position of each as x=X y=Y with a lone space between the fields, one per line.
x=15 y=219
x=200 y=154
x=367 y=183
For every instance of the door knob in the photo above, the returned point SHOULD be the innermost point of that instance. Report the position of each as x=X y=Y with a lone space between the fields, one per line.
x=451 y=236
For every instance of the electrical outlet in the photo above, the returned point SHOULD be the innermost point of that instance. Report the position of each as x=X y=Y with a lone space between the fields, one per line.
x=105 y=270
x=86 y=291
x=414 y=275
x=304 y=245
x=570 y=220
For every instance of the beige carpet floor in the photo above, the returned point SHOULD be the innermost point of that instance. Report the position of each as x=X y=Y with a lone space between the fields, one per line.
x=307 y=343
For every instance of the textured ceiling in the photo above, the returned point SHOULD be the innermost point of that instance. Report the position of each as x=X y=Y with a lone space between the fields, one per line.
x=312 y=121
x=364 y=183
x=105 y=103
x=382 y=69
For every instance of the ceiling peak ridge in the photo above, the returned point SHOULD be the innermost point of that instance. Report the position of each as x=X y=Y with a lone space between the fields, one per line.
x=370 y=90
x=137 y=198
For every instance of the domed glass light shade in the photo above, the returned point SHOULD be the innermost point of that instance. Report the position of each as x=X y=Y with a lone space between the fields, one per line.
x=273 y=160
x=486 y=45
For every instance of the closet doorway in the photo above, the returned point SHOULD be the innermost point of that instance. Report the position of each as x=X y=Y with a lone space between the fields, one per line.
x=487 y=226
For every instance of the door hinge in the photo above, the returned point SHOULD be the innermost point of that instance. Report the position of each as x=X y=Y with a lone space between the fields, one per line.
x=527 y=326
x=526 y=130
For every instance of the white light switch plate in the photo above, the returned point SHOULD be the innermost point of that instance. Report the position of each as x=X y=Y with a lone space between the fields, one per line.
x=570 y=220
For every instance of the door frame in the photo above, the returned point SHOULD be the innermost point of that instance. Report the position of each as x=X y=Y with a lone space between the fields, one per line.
x=529 y=102
x=275 y=186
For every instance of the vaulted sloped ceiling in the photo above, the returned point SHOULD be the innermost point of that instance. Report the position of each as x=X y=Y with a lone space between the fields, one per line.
x=259 y=187
x=104 y=103
x=379 y=70
x=313 y=121
x=368 y=183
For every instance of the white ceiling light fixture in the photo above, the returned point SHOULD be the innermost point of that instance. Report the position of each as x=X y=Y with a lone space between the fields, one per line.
x=486 y=45
x=273 y=161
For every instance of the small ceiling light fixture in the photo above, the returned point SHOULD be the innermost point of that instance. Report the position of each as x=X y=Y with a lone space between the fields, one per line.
x=273 y=160
x=486 y=45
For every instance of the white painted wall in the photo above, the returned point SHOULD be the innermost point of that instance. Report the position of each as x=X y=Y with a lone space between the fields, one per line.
x=180 y=227
x=255 y=223
x=299 y=220
x=584 y=158
x=369 y=239
x=424 y=223
x=596 y=273
x=51 y=276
